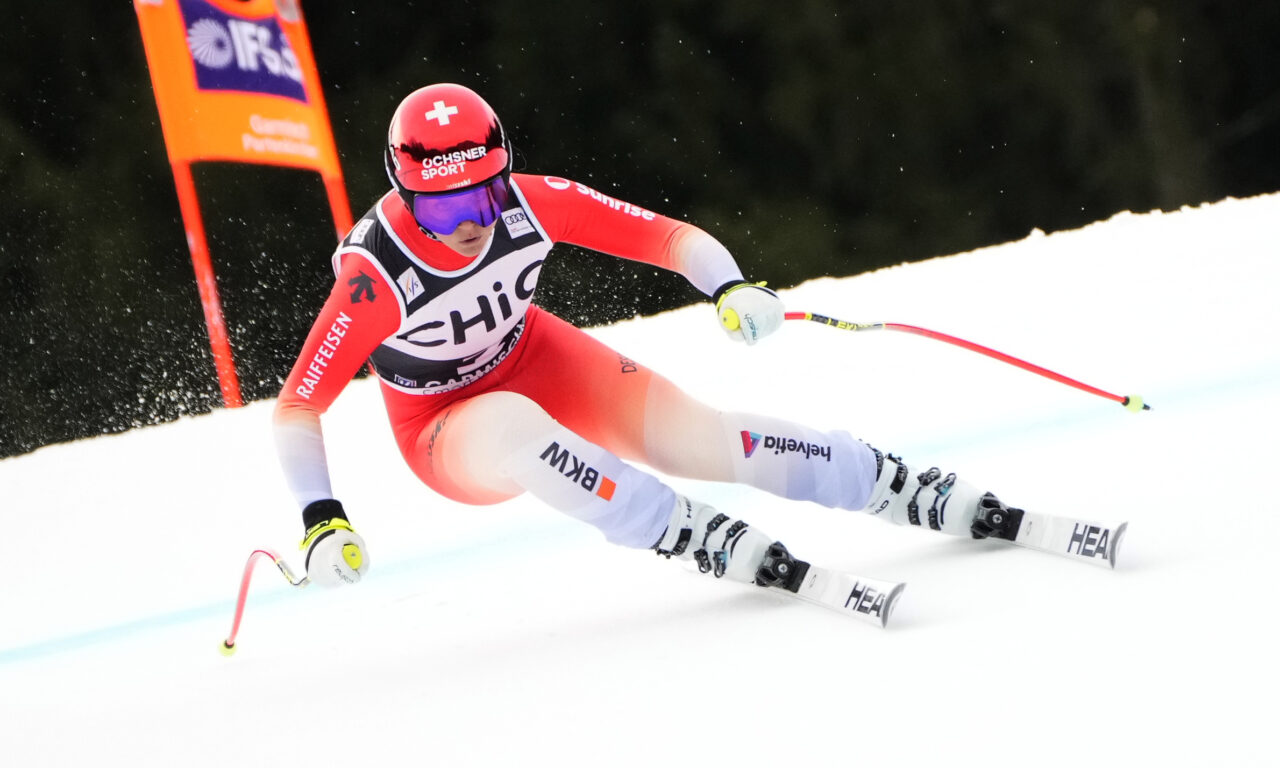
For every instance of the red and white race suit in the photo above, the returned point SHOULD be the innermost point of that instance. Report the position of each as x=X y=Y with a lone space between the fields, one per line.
x=490 y=396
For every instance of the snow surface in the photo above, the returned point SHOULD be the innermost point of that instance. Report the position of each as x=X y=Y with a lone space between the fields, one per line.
x=511 y=635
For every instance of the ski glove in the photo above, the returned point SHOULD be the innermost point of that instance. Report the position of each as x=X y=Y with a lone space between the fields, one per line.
x=748 y=311
x=335 y=552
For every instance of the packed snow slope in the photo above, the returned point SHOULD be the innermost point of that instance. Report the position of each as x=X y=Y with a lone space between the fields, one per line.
x=510 y=635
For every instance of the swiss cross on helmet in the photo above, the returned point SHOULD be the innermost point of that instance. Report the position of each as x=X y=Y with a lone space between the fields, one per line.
x=448 y=158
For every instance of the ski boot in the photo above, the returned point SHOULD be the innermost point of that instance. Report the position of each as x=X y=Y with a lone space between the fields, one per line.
x=730 y=548
x=941 y=502
x=719 y=544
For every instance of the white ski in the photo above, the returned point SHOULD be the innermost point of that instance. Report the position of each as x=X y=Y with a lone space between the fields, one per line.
x=1081 y=539
x=858 y=597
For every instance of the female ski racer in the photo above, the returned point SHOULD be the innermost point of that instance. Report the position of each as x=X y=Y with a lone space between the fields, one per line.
x=490 y=396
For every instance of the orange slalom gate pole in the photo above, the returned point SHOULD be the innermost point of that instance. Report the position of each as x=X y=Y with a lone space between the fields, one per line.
x=207 y=284
x=337 y=192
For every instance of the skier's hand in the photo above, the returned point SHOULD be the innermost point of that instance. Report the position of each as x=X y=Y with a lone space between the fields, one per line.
x=335 y=552
x=748 y=311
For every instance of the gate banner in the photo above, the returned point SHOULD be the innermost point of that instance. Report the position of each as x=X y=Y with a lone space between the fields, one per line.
x=235 y=80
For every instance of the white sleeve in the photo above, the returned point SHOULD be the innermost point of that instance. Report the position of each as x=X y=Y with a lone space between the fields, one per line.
x=707 y=263
x=300 y=448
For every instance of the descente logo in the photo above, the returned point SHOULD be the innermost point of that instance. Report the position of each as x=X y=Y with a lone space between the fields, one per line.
x=588 y=477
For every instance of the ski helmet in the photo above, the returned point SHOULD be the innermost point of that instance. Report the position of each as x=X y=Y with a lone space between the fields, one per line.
x=448 y=158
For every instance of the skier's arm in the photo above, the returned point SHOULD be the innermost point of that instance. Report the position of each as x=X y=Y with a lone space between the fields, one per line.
x=360 y=312
x=574 y=213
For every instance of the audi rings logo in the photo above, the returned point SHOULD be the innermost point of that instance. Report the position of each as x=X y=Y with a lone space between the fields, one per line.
x=517 y=223
x=210 y=44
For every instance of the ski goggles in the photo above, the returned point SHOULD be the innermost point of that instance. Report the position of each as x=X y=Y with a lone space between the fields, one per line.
x=443 y=212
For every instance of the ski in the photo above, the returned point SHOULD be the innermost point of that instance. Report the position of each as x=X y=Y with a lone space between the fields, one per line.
x=858 y=597
x=1095 y=542
x=1071 y=537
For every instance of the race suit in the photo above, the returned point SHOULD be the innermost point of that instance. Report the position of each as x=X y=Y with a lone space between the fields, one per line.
x=490 y=396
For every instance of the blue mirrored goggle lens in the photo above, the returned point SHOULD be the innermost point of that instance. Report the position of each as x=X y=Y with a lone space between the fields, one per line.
x=443 y=213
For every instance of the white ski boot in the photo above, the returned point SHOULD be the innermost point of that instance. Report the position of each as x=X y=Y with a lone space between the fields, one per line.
x=727 y=547
x=720 y=545
x=935 y=500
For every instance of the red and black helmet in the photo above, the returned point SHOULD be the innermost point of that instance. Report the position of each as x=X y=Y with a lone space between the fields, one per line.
x=448 y=157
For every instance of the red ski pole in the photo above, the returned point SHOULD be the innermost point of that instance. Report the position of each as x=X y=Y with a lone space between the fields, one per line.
x=229 y=645
x=1131 y=402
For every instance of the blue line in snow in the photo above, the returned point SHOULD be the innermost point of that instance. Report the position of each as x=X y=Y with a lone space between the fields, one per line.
x=513 y=543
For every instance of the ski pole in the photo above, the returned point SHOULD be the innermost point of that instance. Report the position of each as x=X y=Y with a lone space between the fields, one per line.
x=1130 y=402
x=229 y=645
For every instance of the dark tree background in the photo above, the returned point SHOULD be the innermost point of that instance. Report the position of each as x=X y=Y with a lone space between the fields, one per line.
x=815 y=137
